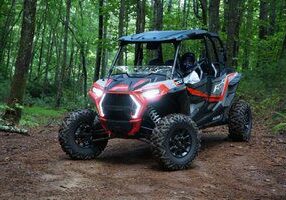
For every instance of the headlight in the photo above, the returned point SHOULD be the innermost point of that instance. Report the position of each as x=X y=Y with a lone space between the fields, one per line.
x=138 y=107
x=97 y=92
x=100 y=106
x=150 y=94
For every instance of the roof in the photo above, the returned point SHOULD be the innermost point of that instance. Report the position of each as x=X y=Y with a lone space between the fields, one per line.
x=166 y=36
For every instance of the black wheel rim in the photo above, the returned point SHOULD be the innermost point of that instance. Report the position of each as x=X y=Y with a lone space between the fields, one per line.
x=180 y=143
x=83 y=137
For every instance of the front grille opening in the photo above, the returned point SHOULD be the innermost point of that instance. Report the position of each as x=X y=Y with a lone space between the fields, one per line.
x=118 y=106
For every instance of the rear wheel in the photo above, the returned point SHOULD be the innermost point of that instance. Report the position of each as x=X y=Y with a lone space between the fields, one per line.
x=240 y=121
x=76 y=135
x=175 y=142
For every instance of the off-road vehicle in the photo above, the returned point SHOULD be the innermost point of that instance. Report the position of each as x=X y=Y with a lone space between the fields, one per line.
x=149 y=95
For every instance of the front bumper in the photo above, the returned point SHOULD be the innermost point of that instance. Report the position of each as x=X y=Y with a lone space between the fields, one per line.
x=118 y=128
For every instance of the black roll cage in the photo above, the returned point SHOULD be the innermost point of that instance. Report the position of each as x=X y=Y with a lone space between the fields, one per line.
x=220 y=56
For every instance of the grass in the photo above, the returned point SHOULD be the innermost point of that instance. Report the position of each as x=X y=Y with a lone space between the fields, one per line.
x=43 y=111
x=37 y=115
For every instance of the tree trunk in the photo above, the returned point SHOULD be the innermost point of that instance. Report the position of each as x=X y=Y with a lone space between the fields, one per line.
x=39 y=21
x=104 y=53
x=214 y=16
x=105 y=62
x=8 y=59
x=225 y=15
x=263 y=19
x=262 y=32
x=121 y=26
x=185 y=14
x=158 y=15
x=19 y=80
x=272 y=17
x=4 y=33
x=170 y=3
x=99 y=44
x=70 y=66
x=204 y=6
x=140 y=26
x=48 y=61
x=126 y=33
x=64 y=64
x=84 y=71
x=248 y=31
x=232 y=30
x=58 y=47
x=41 y=52
x=42 y=43
x=158 y=21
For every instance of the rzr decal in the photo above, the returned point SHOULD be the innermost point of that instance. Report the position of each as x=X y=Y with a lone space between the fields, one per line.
x=218 y=90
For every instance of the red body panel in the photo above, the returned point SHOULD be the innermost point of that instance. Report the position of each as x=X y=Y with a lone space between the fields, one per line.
x=213 y=98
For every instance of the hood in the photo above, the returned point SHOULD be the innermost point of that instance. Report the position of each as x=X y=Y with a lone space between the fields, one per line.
x=125 y=82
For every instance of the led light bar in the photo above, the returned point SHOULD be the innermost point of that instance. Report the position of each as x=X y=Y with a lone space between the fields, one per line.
x=138 y=107
x=100 y=106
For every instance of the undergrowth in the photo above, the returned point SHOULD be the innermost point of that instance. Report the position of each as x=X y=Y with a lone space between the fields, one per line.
x=37 y=116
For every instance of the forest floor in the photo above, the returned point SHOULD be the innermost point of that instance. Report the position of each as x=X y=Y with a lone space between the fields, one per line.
x=35 y=167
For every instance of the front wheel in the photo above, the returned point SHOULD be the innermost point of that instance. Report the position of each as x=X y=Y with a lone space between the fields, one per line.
x=240 y=121
x=175 y=142
x=76 y=135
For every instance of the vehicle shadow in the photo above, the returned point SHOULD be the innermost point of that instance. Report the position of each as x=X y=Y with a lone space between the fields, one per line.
x=136 y=153
x=212 y=140
x=127 y=155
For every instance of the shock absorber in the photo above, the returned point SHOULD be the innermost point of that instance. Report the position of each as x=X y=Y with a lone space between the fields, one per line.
x=155 y=117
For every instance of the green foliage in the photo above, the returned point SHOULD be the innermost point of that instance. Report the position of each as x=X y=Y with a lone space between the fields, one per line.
x=73 y=102
x=36 y=115
x=280 y=123
x=3 y=107
x=265 y=89
x=42 y=111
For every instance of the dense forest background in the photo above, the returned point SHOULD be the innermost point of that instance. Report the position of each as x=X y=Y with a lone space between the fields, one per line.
x=52 y=51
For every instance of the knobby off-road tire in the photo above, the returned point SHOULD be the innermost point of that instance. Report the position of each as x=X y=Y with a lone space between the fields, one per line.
x=240 y=121
x=175 y=130
x=76 y=125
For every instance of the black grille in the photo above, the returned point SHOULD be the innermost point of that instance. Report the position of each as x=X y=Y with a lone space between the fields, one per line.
x=118 y=106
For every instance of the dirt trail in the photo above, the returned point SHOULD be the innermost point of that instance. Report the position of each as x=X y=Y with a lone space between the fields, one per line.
x=36 y=168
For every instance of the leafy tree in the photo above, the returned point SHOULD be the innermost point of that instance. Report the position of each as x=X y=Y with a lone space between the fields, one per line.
x=18 y=85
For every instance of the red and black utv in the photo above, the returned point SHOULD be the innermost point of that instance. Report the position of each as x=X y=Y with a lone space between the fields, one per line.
x=162 y=87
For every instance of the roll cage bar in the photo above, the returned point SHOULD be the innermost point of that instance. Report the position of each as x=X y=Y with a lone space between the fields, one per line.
x=175 y=37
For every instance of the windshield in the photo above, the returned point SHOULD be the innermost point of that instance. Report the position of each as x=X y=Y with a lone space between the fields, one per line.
x=145 y=58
